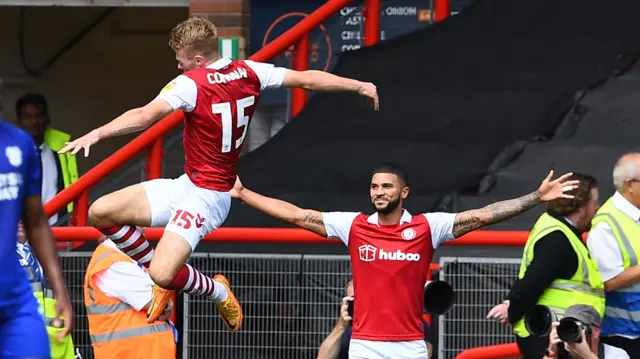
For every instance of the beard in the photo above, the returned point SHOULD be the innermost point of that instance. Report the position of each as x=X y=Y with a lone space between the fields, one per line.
x=390 y=207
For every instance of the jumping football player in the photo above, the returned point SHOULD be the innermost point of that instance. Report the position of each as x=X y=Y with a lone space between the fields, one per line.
x=218 y=97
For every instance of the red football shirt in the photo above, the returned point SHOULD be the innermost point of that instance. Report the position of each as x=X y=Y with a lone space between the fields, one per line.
x=219 y=102
x=389 y=266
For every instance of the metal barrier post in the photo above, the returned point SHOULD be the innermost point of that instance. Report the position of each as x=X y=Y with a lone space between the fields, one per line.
x=371 y=22
x=442 y=9
x=154 y=160
x=300 y=62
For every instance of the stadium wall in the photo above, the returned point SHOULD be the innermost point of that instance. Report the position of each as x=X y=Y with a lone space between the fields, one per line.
x=122 y=62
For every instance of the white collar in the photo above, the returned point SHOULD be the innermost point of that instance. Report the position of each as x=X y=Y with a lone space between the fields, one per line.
x=220 y=63
x=406 y=218
x=625 y=206
x=570 y=222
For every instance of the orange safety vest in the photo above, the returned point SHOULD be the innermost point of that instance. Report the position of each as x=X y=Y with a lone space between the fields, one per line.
x=116 y=329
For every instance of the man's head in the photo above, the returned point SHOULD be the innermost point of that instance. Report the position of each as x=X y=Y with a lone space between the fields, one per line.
x=195 y=42
x=32 y=115
x=22 y=237
x=583 y=206
x=626 y=177
x=389 y=187
x=586 y=315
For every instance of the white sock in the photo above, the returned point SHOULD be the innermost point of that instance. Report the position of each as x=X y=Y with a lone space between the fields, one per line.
x=220 y=293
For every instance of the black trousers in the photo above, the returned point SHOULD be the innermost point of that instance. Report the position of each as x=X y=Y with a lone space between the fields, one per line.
x=631 y=346
x=532 y=347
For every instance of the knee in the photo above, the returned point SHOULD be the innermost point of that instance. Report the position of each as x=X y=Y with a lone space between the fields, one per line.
x=160 y=276
x=99 y=213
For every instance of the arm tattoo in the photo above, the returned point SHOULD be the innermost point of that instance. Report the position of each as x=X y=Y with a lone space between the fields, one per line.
x=312 y=219
x=496 y=212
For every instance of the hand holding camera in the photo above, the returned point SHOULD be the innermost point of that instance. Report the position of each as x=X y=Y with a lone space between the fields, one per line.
x=554 y=339
x=580 y=349
x=346 y=311
x=570 y=335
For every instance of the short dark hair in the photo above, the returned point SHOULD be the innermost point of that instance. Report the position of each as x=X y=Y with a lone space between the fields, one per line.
x=393 y=169
x=31 y=99
x=582 y=196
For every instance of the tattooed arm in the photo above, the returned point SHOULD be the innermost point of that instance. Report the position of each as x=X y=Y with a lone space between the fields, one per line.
x=468 y=221
x=549 y=190
x=305 y=218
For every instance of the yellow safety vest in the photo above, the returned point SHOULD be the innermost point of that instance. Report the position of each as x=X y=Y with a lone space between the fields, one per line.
x=60 y=348
x=56 y=139
x=585 y=287
x=619 y=318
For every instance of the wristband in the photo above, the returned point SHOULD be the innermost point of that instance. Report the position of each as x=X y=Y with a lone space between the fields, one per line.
x=550 y=354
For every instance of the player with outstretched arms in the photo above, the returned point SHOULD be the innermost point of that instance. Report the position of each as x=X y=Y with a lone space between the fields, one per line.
x=218 y=97
x=22 y=327
x=391 y=251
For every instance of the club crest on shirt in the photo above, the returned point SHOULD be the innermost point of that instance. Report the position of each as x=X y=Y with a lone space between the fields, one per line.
x=408 y=234
x=14 y=155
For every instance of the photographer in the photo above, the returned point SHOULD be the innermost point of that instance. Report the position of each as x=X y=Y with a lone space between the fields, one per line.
x=556 y=269
x=336 y=344
x=587 y=320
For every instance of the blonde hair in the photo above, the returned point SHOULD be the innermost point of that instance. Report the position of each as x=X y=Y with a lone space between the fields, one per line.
x=197 y=35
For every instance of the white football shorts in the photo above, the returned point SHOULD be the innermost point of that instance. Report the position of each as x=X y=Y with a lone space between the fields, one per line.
x=369 y=349
x=185 y=209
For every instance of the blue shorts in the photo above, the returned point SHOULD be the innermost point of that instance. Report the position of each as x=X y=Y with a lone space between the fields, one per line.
x=23 y=333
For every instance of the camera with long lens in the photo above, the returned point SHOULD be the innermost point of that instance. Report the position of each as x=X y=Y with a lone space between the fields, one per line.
x=570 y=330
x=438 y=297
x=539 y=320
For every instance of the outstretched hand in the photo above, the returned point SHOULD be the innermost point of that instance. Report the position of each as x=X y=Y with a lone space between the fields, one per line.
x=85 y=142
x=370 y=91
x=236 y=191
x=550 y=189
x=500 y=312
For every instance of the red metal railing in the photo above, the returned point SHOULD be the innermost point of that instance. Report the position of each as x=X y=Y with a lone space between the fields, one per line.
x=501 y=351
x=151 y=140
x=295 y=235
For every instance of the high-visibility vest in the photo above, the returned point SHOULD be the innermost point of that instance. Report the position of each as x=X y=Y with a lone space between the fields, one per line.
x=585 y=287
x=56 y=140
x=60 y=348
x=116 y=329
x=621 y=315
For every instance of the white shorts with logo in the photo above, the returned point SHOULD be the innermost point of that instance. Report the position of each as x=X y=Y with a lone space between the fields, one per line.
x=186 y=209
x=369 y=349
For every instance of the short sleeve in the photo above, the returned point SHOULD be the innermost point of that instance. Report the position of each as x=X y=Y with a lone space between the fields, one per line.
x=270 y=76
x=338 y=224
x=127 y=282
x=611 y=352
x=441 y=224
x=604 y=249
x=32 y=170
x=181 y=93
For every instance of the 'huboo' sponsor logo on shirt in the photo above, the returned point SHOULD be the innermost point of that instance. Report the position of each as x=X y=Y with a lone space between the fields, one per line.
x=369 y=253
x=219 y=78
x=10 y=185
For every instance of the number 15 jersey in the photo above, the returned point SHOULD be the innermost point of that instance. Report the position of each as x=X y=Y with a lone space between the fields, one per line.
x=218 y=101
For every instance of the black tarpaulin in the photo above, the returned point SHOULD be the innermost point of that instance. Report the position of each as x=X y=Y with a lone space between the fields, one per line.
x=452 y=97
